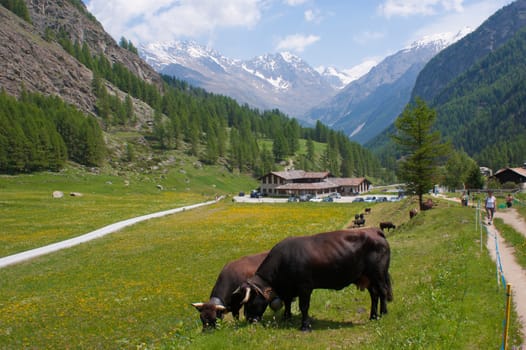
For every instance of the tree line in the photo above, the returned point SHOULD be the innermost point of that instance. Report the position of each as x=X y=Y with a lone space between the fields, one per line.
x=41 y=133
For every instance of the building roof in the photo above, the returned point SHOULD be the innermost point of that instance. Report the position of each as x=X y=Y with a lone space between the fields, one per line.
x=519 y=171
x=300 y=174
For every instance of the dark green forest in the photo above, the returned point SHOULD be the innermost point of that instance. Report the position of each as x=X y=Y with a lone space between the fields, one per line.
x=40 y=133
x=18 y=7
x=483 y=112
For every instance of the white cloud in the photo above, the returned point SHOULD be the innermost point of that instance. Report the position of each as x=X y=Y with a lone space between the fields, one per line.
x=296 y=42
x=147 y=20
x=405 y=8
x=314 y=16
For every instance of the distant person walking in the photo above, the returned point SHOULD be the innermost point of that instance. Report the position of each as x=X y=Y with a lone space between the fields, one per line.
x=509 y=200
x=464 y=198
x=491 y=206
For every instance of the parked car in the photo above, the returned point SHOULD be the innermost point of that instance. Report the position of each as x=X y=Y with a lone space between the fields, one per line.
x=315 y=199
x=306 y=197
x=293 y=199
x=255 y=194
x=241 y=194
x=370 y=199
x=335 y=195
x=381 y=199
x=358 y=199
x=328 y=199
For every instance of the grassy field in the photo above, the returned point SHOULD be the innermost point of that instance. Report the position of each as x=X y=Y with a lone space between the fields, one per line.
x=133 y=289
x=31 y=218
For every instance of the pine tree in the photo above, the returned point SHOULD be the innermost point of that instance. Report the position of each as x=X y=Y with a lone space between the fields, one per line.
x=421 y=148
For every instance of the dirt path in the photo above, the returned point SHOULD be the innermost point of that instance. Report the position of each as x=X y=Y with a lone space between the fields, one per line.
x=513 y=272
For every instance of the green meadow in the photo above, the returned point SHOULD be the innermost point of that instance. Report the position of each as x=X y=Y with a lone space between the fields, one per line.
x=31 y=218
x=133 y=289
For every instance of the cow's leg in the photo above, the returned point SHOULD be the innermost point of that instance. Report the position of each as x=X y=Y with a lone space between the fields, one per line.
x=374 y=303
x=304 y=300
x=383 y=304
x=287 y=314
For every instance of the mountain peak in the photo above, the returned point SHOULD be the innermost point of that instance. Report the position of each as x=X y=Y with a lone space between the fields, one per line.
x=442 y=40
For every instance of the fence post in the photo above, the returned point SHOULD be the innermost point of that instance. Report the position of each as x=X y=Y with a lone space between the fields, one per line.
x=507 y=321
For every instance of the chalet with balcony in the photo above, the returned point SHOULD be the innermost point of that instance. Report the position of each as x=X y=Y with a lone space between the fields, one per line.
x=300 y=182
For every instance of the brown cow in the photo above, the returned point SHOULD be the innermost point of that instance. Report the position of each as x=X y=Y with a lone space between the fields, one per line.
x=429 y=204
x=223 y=299
x=387 y=225
x=297 y=265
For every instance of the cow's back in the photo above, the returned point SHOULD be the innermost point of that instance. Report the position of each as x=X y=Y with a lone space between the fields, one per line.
x=331 y=260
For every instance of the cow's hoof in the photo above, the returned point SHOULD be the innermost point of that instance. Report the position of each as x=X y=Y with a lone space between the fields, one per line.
x=306 y=328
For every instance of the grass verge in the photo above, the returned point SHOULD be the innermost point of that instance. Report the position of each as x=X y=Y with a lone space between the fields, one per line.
x=513 y=238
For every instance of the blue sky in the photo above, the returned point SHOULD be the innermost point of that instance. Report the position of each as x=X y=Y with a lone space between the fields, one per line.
x=339 y=33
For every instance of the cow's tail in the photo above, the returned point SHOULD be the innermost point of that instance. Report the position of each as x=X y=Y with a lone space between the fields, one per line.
x=388 y=288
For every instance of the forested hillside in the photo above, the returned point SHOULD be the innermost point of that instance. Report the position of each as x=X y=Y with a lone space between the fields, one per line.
x=123 y=96
x=482 y=109
x=456 y=59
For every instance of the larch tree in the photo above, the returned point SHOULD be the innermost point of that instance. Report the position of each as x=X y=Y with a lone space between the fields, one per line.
x=422 y=150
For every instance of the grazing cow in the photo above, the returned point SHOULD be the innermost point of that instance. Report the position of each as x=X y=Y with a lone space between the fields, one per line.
x=429 y=204
x=223 y=299
x=412 y=213
x=333 y=260
x=367 y=210
x=357 y=223
x=387 y=225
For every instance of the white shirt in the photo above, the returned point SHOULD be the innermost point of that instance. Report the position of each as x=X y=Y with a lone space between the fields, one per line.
x=490 y=202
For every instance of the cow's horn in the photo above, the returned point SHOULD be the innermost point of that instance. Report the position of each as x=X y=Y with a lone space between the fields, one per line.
x=247 y=296
x=198 y=305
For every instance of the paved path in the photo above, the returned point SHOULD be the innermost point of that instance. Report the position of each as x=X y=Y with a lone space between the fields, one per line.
x=33 y=253
x=513 y=272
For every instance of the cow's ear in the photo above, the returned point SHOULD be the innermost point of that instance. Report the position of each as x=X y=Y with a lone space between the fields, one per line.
x=198 y=306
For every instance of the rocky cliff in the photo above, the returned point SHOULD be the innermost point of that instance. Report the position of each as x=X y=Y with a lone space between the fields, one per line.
x=31 y=59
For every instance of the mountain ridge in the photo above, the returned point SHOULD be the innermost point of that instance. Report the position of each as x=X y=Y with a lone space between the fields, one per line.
x=361 y=109
x=272 y=81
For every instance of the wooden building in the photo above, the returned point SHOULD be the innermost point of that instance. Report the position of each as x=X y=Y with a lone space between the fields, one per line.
x=517 y=175
x=300 y=182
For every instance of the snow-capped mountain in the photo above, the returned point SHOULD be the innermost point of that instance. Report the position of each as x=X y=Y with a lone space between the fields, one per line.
x=368 y=105
x=340 y=79
x=281 y=80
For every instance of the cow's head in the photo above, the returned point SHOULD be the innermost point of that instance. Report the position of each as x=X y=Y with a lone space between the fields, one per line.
x=256 y=299
x=209 y=313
